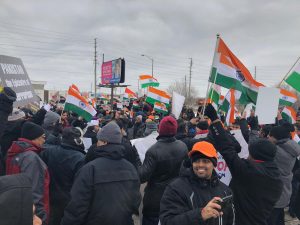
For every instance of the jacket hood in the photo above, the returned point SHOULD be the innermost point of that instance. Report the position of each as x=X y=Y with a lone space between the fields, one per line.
x=23 y=145
x=180 y=136
x=166 y=139
x=186 y=170
x=110 y=151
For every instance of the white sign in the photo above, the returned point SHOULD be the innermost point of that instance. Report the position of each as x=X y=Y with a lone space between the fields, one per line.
x=223 y=170
x=143 y=144
x=119 y=105
x=87 y=142
x=177 y=104
x=239 y=137
x=267 y=105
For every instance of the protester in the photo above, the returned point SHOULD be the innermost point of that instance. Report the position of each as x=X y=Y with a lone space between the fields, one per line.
x=106 y=190
x=138 y=127
x=255 y=183
x=286 y=154
x=22 y=157
x=201 y=129
x=182 y=134
x=92 y=130
x=52 y=128
x=161 y=165
x=192 y=198
x=151 y=126
x=63 y=161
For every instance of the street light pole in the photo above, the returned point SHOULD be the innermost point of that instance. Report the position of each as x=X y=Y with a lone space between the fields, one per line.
x=152 y=61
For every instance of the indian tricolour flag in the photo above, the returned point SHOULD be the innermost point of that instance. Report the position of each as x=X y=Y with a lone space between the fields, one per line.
x=214 y=96
x=228 y=105
x=160 y=107
x=229 y=72
x=221 y=100
x=135 y=105
x=287 y=98
x=129 y=94
x=289 y=114
x=148 y=81
x=294 y=78
x=75 y=102
x=156 y=95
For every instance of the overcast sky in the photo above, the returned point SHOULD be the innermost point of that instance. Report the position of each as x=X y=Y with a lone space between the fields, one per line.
x=55 y=39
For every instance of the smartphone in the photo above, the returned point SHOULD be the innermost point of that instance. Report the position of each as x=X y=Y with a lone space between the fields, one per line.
x=226 y=201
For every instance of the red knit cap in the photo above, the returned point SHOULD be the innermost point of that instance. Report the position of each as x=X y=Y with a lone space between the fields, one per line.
x=168 y=126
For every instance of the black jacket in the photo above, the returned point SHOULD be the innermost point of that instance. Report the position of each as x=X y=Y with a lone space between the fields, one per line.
x=256 y=186
x=161 y=165
x=188 y=141
x=63 y=162
x=106 y=191
x=184 y=198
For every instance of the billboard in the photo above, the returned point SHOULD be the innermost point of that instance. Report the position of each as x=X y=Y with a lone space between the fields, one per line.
x=113 y=72
x=14 y=75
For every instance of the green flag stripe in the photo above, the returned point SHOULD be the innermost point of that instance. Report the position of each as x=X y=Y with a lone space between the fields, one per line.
x=79 y=111
x=294 y=80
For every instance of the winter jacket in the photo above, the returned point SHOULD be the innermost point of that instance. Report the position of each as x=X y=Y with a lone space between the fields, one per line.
x=189 y=141
x=287 y=152
x=15 y=200
x=138 y=130
x=256 y=185
x=106 y=191
x=184 y=198
x=161 y=165
x=63 y=162
x=22 y=157
x=297 y=201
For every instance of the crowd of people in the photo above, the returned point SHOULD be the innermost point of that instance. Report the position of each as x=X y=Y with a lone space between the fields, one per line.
x=50 y=177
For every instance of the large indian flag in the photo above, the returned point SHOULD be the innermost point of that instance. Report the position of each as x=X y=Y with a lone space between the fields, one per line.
x=296 y=138
x=287 y=98
x=156 y=95
x=294 y=78
x=229 y=72
x=148 y=81
x=289 y=114
x=160 y=107
x=75 y=102
x=214 y=96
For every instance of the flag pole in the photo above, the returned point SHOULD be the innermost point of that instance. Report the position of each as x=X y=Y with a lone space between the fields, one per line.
x=288 y=72
x=208 y=85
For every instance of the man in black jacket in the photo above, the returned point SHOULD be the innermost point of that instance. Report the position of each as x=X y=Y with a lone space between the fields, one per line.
x=161 y=165
x=63 y=161
x=107 y=189
x=191 y=198
x=255 y=183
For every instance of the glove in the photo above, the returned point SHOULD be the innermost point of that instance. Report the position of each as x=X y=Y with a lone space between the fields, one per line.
x=253 y=122
x=211 y=113
x=7 y=98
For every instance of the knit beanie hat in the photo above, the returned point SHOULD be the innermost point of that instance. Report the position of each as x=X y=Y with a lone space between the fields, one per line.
x=31 y=131
x=16 y=115
x=262 y=149
x=50 y=119
x=110 y=133
x=167 y=127
x=204 y=149
x=280 y=132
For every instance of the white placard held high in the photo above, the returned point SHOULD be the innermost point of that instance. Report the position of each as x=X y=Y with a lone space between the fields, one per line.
x=177 y=104
x=267 y=105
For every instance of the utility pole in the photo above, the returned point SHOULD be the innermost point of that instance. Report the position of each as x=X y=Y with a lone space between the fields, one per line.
x=95 y=69
x=191 y=64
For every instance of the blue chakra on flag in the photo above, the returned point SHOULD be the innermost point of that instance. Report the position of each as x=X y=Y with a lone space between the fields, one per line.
x=240 y=76
x=82 y=104
x=159 y=98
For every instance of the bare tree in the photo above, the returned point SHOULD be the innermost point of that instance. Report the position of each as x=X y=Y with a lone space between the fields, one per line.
x=182 y=89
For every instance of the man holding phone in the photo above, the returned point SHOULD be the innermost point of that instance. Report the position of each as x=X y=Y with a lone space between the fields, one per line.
x=196 y=196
